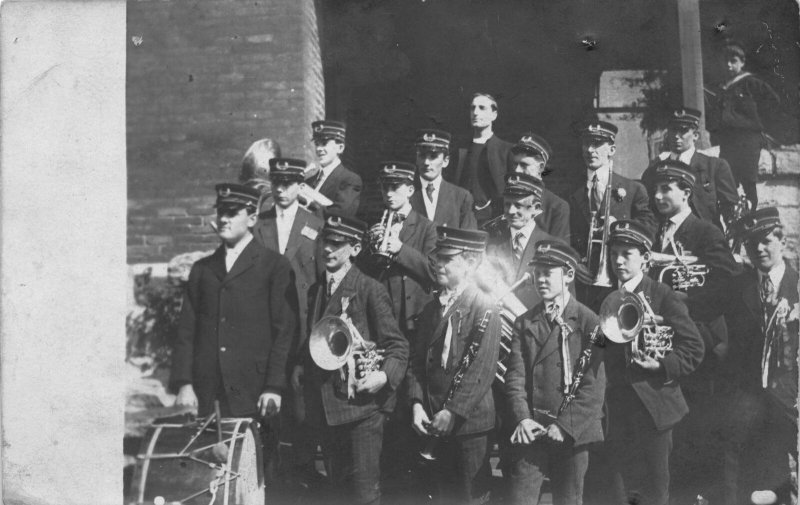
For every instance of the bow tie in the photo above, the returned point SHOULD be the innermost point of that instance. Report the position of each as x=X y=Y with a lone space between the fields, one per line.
x=399 y=218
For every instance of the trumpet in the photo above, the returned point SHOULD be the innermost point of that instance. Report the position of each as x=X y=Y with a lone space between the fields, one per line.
x=684 y=271
x=602 y=273
x=628 y=318
x=379 y=234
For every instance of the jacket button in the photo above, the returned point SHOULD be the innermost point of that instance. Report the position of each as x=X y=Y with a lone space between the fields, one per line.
x=558 y=364
x=222 y=349
x=223 y=319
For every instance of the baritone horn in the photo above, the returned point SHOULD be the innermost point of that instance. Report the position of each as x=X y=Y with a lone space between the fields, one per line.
x=684 y=271
x=628 y=318
x=598 y=238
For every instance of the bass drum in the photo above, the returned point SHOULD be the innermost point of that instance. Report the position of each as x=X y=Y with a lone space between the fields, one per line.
x=185 y=464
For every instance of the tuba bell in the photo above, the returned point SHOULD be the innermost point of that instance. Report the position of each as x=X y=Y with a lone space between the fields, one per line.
x=628 y=318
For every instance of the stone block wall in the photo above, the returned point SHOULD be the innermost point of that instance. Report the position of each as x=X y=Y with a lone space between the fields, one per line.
x=205 y=79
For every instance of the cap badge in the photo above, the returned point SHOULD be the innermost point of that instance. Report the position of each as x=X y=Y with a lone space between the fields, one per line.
x=544 y=248
x=282 y=165
x=526 y=139
x=429 y=137
x=390 y=168
x=679 y=113
x=334 y=221
x=594 y=127
x=318 y=128
x=225 y=192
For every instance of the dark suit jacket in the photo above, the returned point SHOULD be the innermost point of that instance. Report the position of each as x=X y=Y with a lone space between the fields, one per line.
x=714 y=193
x=343 y=186
x=428 y=383
x=239 y=323
x=658 y=391
x=634 y=205
x=410 y=278
x=304 y=252
x=370 y=311
x=500 y=250
x=744 y=311
x=554 y=218
x=454 y=207
x=534 y=380
x=497 y=160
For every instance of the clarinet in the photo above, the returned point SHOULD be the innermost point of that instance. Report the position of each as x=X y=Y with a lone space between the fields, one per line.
x=455 y=385
x=583 y=365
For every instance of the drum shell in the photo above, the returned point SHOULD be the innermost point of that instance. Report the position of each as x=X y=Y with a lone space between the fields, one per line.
x=177 y=478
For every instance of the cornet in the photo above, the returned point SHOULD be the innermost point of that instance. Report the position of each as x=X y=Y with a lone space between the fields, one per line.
x=379 y=234
x=628 y=318
x=684 y=271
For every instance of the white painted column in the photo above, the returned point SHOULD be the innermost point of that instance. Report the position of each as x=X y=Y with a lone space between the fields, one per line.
x=62 y=250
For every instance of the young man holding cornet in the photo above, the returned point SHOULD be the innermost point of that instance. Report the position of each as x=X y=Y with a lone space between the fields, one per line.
x=555 y=384
x=645 y=356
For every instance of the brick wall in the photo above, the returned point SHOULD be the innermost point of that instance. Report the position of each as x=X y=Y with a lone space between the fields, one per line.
x=779 y=186
x=205 y=79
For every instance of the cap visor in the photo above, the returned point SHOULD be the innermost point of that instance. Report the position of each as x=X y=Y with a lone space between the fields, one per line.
x=447 y=251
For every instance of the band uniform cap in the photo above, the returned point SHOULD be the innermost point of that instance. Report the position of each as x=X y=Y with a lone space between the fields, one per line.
x=600 y=129
x=328 y=129
x=674 y=170
x=341 y=228
x=451 y=241
x=686 y=116
x=436 y=140
x=399 y=171
x=631 y=233
x=287 y=168
x=531 y=143
x=554 y=254
x=522 y=185
x=757 y=224
x=236 y=195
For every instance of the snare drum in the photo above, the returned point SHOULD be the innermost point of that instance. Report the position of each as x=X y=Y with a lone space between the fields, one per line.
x=183 y=463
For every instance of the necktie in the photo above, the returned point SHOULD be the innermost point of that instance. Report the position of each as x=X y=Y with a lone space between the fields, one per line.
x=767 y=298
x=518 y=246
x=554 y=314
x=429 y=191
x=767 y=309
x=446 y=300
x=331 y=286
x=596 y=197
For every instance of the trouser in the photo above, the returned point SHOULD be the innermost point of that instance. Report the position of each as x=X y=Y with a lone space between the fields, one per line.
x=742 y=149
x=461 y=474
x=354 y=450
x=639 y=457
x=760 y=441
x=564 y=464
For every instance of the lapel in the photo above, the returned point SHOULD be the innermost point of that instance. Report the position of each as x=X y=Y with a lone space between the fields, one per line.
x=267 y=229
x=582 y=203
x=530 y=249
x=409 y=225
x=493 y=146
x=548 y=341
x=684 y=232
x=345 y=289
x=300 y=220
x=217 y=263
x=244 y=262
x=417 y=202
x=456 y=312
x=444 y=196
x=330 y=183
x=788 y=287
x=750 y=294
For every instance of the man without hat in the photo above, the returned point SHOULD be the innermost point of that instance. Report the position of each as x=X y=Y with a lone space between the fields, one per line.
x=644 y=400
x=531 y=155
x=334 y=180
x=681 y=232
x=440 y=201
x=482 y=166
x=627 y=198
x=761 y=306
x=451 y=397
x=349 y=405
x=292 y=231
x=238 y=319
x=715 y=194
x=551 y=436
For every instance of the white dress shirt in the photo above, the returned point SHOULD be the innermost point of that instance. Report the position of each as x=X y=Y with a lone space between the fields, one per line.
x=526 y=231
x=333 y=279
x=232 y=253
x=446 y=299
x=326 y=172
x=684 y=157
x=430 y=205
x=669 y=231
x=284 y=219
x=631 y=285
x=603 y=174
x=775 y=274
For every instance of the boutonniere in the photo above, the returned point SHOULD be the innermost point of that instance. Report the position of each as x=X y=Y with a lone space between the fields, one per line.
x=619 y=194
x=785 y=311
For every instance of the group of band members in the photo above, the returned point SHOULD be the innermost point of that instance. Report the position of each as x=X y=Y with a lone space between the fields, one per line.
x=424 y=290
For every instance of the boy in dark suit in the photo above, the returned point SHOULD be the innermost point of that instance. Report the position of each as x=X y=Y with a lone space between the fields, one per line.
x=762 y=310
x=715 y=194
x=553 y=442
x=350 y=410
x=292 y=231
x=531 y=154
x=238 y=319
x=440 y=201
x=643 y=397
x=334 y=180
x=462 y=412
